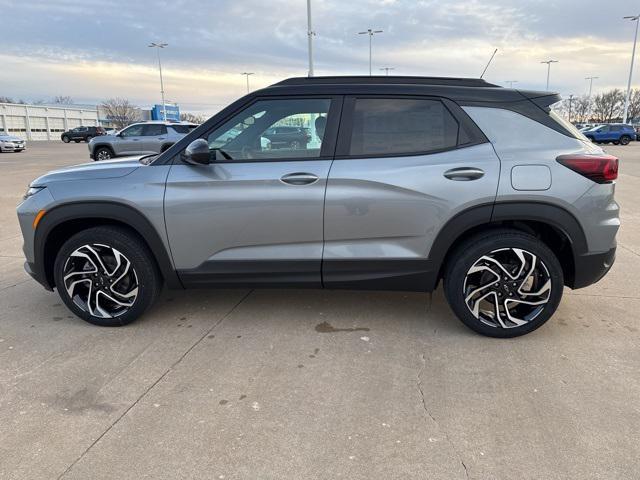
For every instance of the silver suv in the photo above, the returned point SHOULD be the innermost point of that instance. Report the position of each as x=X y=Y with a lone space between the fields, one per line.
x=403 y=183
x=138 y=139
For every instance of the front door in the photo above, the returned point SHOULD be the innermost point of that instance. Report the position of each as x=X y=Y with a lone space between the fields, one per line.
x=403 y=167
x=254 y=214
x=130 y=141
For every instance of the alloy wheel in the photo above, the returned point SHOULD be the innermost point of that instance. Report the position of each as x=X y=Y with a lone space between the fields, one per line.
x=100 y=280
x=103 y=155
x=507 y=288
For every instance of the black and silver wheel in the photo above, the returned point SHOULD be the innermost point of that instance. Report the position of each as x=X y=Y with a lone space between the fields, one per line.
x=504 y=283
x=65 y=139
x=625 y=139
x=103 y=153
x=106 y=276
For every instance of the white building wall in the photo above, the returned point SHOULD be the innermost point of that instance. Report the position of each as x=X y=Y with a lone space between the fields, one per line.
x=44 y=122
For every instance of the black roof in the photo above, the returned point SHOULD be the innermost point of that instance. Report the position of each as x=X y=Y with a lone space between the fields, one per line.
x=387 y=80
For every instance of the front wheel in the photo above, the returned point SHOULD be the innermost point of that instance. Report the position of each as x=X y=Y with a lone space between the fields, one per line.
x=625 y=139
x=503 y=283
x=65 y=139
x=103 y=153
x=106 y=276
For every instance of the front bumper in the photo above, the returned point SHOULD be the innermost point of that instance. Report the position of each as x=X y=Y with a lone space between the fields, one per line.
x=38 y=276
x=590 y=269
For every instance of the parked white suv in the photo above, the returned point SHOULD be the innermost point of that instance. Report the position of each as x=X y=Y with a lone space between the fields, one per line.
x=139 y=139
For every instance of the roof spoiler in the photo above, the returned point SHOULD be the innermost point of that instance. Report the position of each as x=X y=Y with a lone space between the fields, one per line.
x=544 y=100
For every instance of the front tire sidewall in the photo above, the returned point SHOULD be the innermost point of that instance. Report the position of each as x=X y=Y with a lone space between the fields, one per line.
x=471 y=251
x=132 y=248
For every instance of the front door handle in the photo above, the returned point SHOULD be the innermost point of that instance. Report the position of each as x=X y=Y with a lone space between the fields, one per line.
x=464 y=174
x=299 y=178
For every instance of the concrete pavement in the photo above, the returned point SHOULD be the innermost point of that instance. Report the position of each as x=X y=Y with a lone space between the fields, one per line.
x=279 y=384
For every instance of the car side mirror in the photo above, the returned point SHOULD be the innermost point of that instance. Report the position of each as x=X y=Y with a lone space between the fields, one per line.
x=197 y=153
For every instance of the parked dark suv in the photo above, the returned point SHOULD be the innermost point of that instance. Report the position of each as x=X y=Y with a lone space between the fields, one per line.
x=83 y=134
x=288 y=137
x=409 y=182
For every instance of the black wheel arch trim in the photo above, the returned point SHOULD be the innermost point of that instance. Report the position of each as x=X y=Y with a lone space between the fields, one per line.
x=109 y=211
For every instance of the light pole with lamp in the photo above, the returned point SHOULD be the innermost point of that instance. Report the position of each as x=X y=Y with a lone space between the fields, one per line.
x=371 y=33
x=549 y=62
x=633 y=18
x=158 y=46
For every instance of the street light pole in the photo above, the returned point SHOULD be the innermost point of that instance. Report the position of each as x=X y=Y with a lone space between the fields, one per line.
x=158 y=46
x=246 y=74
x=633 y=18
x=549 y=62
x=310 y=35
x=511 y=82
x=371 y=33
x=591 y=79
x=386 y=70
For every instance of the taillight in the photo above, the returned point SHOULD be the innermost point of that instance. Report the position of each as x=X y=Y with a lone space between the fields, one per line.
x=599 y=168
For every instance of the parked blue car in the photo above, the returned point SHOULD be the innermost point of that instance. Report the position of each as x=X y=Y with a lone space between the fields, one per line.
x=616 y=133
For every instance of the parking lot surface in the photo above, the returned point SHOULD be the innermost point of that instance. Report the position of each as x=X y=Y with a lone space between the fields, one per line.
x=293 y=384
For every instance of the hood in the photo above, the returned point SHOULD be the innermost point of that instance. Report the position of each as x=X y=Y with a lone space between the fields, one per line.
x=9 y=138
x=90 y=171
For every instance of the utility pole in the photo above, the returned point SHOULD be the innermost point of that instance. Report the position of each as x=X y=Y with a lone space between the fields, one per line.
x=570 y=102
x=386 y=70
x=511 y=82
x=310 y=35
x=591 y=79
x=633 y=18
x=246 y=74
x=371 y=33
x=158 y=46
x=549 y=62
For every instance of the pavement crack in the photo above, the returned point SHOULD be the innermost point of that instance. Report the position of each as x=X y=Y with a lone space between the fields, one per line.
x=433 y=419
x=630 y=250
x=156 y=382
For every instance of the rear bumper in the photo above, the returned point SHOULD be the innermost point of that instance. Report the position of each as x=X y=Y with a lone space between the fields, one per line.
x=590 y=269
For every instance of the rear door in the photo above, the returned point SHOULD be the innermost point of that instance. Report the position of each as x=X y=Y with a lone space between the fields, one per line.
x=254 y=215
x=154 y=135
x=404 y=166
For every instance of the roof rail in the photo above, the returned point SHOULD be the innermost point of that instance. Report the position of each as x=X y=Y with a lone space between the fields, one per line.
x=378 y=79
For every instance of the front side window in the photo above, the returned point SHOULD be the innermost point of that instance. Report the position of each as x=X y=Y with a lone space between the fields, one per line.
x=133 y=131
x=257 y=134
x=388 y=126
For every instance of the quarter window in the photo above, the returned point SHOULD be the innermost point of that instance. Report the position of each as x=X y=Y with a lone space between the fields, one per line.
x=388 y=126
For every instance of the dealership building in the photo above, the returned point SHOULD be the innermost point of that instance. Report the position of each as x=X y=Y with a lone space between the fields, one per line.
x=47 y=122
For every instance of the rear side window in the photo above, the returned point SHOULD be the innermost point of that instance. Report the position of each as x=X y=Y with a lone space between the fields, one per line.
x=154 y=130
x=387 y=126
x=184 y=129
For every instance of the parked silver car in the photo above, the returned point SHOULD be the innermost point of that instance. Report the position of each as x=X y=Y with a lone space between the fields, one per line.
x=139 y=139
x=9 y=143
x=405 y=183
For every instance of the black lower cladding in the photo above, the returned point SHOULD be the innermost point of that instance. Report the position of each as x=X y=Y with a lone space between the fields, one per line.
x=591 y=268
x=404 y=275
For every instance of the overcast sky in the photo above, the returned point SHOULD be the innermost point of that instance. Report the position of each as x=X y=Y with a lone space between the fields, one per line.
x=95 y=49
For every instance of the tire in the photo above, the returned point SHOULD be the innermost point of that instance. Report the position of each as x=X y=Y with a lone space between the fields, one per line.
x=102 y=153
x=102 y=246
x=501 y=246
x=625 y=139
x=65 y=139
x=88 y=139
x=616 y=142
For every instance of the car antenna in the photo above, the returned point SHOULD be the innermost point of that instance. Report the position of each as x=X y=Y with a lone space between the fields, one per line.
x=489 y=62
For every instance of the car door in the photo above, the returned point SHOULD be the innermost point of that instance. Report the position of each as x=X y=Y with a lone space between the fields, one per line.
x=78 y=133
x=253 y=215
x=130 y=141
x=403 y=167
x=154 y=136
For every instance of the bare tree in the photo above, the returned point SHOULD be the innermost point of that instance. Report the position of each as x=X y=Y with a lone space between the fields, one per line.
x=634 y=105
x=608 y=105
x=4 y=99
x=120 y=111
x=582 y=107
x=63 y=100
x=192 y=117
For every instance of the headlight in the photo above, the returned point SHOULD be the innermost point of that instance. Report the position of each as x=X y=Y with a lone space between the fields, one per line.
x=32 y=191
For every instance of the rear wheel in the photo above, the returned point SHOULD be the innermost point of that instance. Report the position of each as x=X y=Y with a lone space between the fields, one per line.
x=503 y=283
x=625 y=139
x=106 y=276
x=88 y=139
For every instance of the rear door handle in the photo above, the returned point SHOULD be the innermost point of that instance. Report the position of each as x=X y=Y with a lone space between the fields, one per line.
x=299 y=178
x=464 y=174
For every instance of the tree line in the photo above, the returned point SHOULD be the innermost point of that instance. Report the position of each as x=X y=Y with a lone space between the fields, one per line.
x=605 y=107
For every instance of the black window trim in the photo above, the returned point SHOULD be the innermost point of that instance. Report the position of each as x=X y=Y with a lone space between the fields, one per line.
x=343 y=145
x=327 y=150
